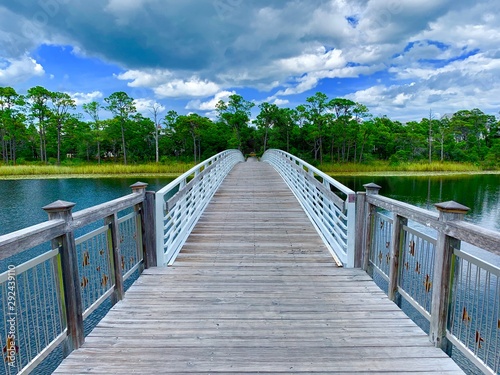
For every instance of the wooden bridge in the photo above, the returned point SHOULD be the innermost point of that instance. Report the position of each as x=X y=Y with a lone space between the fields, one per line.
x=254 y=288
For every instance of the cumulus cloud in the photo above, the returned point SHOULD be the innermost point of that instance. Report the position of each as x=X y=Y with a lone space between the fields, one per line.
x=13 y=71
x=280 y=102
x=85 y=97
x=198 y=50
x=186 y=88
x=146 y=106
x=209 y=105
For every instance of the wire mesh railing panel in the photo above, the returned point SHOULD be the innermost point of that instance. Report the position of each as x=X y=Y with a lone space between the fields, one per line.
x=180 y=203
x=32 y=317
x=380 y=253
x=475 y=309
x=333 y=216
x=417 y=267
x=94 y=265
x=130 y=242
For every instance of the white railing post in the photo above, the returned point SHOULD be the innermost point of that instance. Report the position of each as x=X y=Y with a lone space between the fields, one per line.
x=351 y=229
x=160 y=210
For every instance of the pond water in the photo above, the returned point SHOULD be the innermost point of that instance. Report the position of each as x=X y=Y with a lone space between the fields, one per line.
x=21 y=201
x=479 y=192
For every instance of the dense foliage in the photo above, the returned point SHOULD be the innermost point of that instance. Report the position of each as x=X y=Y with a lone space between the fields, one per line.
x=44 y=126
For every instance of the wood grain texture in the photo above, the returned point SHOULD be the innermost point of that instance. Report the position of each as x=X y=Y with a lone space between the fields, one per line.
x=254 y=290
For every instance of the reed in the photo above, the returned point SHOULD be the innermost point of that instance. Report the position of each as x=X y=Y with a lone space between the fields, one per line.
x=381 y=166
x=175 y=168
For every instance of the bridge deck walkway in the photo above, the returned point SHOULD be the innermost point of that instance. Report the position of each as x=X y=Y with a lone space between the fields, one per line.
x=255 y=290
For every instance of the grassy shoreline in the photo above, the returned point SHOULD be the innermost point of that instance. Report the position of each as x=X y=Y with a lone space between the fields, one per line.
x=175 y=169
x=92 y=171
x=405 y=169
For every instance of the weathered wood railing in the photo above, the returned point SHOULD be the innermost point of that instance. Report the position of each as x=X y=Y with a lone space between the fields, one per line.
x=318 y=193
x=180 y=203
x=455 y=291
x=47 y=300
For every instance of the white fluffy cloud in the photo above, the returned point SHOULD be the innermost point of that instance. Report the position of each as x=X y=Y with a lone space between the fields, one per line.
x=209 y=105
x=85 y=97
x=198 y=50
x=165 y=85
x=192 y=87
x=13 y=71
x=146 y=106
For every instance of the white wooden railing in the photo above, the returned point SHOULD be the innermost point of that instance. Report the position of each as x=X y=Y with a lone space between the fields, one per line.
x=180 y=203
x=330 y=205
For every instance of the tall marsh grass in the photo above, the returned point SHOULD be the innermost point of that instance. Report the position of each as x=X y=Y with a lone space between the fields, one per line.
x=380 y=166
x=174 y=168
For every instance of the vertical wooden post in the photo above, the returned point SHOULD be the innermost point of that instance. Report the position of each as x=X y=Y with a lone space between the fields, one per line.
x=360 y=232
x=149 y=230
x=395 y=251
x=71 y=279
x=147 y=223
x=115 y=257
x=441 y=288
x=140 y=188
x=371 y=189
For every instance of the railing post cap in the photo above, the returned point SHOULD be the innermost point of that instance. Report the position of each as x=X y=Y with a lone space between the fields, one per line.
x=372 y=188
x=139 y=186
x=452 y=207
x=58 y=206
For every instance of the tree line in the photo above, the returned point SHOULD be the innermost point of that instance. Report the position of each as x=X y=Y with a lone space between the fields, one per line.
x=45 y=127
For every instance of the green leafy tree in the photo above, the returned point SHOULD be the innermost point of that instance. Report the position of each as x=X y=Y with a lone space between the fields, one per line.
x=122 y=106
x=318 y=114
x=235 y=114
x=267 y=118
x=62 y=103
x=38 y=98
x=141 y=138
x=155 y=110
x=283 y=128
x=92 y=109
x=11 y=122
x=192 y=126
x=79 y=139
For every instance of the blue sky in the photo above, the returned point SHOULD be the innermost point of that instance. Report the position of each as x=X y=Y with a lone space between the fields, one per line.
x=399 y=58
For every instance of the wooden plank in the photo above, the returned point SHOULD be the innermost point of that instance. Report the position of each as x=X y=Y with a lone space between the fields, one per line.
x=255 y=290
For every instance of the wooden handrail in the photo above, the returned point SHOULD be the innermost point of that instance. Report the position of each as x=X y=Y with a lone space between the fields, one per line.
x=66 y=261
x=440 y=278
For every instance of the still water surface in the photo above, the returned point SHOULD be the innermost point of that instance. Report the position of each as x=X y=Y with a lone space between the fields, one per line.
x=21 y=201
x=479 y=192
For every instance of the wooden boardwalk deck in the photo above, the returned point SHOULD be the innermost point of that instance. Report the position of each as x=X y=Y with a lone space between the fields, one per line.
x=255 y=290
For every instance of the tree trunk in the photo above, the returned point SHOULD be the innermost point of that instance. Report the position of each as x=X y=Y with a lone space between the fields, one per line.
x=58 y=144
x=265 y=139
x=40 y=132
x=194 y=147
x=287 y=140
x=13 y=150
x=156 y=143
x=124 y=148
